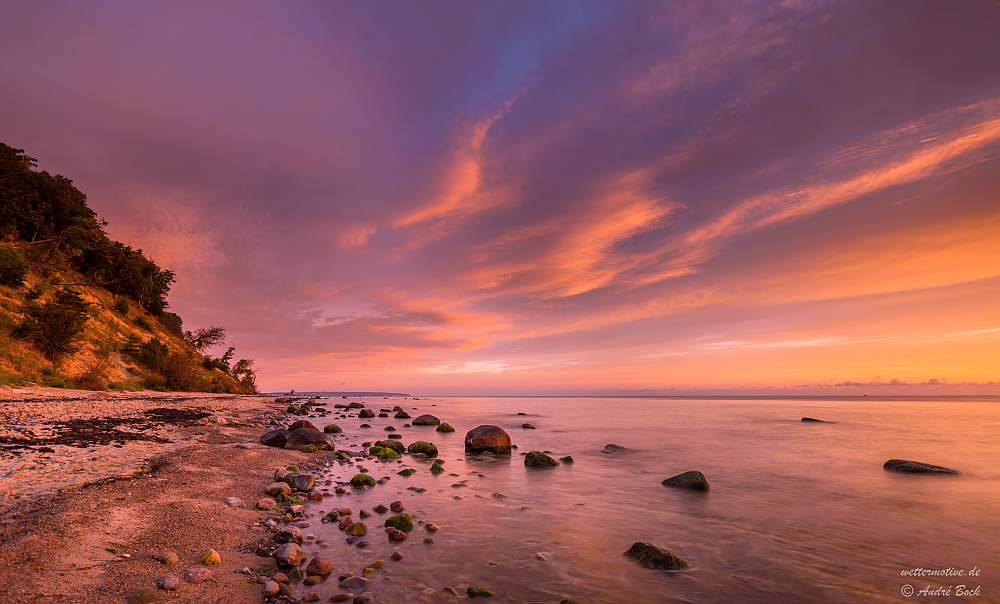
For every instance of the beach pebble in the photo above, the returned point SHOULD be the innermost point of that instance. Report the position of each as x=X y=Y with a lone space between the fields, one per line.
x=431 y=526
x=197 y=575
x=364 y=598
x=270 y=589
x=210 y=557
x=341 y=597
x=168 y=583
x=278 y=488
x=289 y=554
x=654 y=557
x=396 y=506
x=168 y=558
x=280 y=578
x=397 y=556
x=300 y=481
x=362 y=544
x=479 y=592
x=234 y=502
x=450 y=591
x=144 y=595
x=266 y=503
x=567 y=459
x=311 y=597
x=289 y=534
x=540 y=556
x=354 y=583
x=396 y=535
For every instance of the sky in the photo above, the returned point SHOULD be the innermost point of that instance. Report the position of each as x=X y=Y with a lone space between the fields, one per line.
x=450 y=197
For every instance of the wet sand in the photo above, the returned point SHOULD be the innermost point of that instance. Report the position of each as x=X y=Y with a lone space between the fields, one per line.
x=149 y=473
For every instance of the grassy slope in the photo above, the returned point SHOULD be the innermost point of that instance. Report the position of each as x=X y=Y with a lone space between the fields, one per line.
x=103 y=336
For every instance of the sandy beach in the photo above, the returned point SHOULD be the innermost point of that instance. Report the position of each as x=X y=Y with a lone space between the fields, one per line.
x=94 y=485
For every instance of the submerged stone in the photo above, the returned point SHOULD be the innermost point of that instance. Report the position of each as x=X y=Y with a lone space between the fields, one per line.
x=916 y=467
x=362 y=480
x=654 y=557
x=403 y=522
x=692 y=481
x=479 y=592
x=426 y=420
x=424 y=447
x=537 y=459
x=332 y=429
x=445 y=428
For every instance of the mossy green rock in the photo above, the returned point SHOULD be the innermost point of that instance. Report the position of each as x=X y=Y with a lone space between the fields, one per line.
x=362 y=480
x=391 y=444
x=333 y=429
x=445 y=428
x=692 y=481
x=357 y=529
x=406 y=472
x=568 y=601
x=426 y=420
x=383 y=453
x=537 y=459
x=381 y=509
x=403 y=522
x=422 y=446
x=436 y=468
x=654 y=557
x=479 y=592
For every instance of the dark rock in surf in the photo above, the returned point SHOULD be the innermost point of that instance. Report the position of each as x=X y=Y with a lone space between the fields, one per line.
x=613 y=448
x=692 y=481
x=813 y=420
x=654 y=557
x=915 y=467
x=537 y=459
x=426 y=420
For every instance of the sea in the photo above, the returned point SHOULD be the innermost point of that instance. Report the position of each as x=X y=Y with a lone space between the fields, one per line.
x=797 y=512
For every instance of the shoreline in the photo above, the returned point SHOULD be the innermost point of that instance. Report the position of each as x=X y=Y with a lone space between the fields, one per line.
x=94 y=485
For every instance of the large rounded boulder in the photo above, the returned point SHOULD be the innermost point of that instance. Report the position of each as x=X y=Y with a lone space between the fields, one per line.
x=654 y=557
x=426 y=420
x=487 y=438
x=445 y=428
x=302 y=423
x=304 y=437
x=275 y=438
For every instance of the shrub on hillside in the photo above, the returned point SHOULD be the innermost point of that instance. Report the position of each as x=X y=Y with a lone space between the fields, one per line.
x=121 y=305
x=13 y=267
x=55 y=326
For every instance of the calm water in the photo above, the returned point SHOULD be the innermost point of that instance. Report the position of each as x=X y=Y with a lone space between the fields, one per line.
x=797 y=512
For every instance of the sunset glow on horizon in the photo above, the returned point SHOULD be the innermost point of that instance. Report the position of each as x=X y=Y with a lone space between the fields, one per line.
x=523 y=197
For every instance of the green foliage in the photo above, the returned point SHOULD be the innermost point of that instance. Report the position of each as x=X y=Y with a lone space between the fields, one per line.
x=172 y=322
x=206 y=337
x=245 y=375
x=152 y=354
x=53 y=214
x=221 y=363
x=55 y=326
x=121 y=305
x=142 y=323
x=39 y=290
x=13 y=267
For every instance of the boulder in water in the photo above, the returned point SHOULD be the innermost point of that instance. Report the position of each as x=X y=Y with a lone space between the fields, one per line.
x=445 y=428
x=916 y=467
x=613 y=448
x=332 y=429
x=426 y=420
x=487 y=438
x=303 y=437
x=537 y=459
x=692 y=481
x=422 y=446
x=654 y=557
